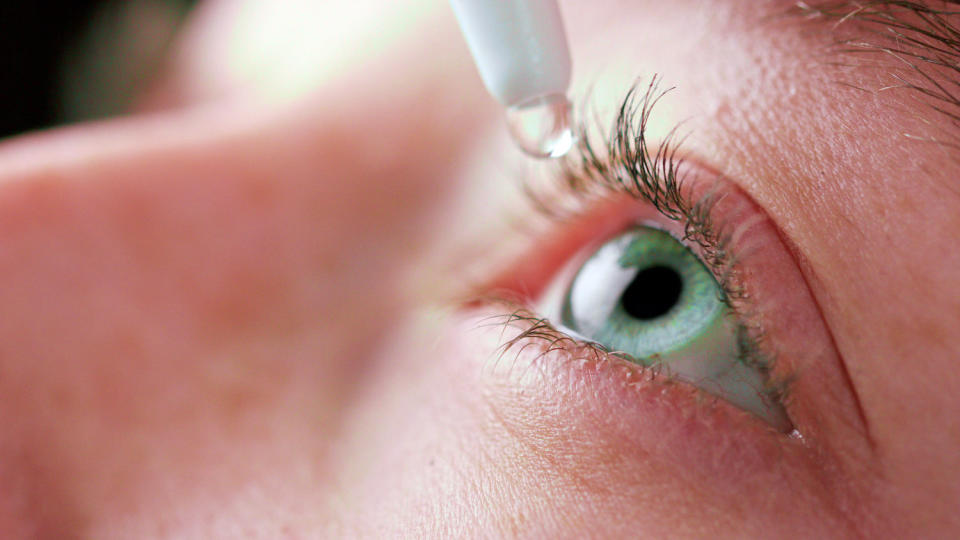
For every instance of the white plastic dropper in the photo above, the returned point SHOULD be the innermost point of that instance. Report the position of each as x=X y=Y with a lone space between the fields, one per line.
x=521 y=51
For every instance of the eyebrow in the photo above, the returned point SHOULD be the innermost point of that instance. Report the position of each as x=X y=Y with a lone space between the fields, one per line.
x=917 y=44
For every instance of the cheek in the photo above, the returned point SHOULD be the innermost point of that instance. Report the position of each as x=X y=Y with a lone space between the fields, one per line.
x=446 y=435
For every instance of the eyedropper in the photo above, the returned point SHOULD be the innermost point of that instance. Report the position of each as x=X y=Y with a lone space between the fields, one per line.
x=521 y=51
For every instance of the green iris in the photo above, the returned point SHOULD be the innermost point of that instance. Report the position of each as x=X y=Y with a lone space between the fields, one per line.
x=646 y=294
x=657 y=297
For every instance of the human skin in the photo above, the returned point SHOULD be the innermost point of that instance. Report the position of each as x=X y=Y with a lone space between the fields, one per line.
x=244 y=317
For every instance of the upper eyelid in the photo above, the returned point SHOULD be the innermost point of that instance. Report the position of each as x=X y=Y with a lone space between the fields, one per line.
x=626 y=162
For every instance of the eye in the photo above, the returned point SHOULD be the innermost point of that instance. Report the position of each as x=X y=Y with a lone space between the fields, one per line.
x=646 y=294
x=668 y=264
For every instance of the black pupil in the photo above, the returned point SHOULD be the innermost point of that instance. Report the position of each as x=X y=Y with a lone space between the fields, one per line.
x=652 y=293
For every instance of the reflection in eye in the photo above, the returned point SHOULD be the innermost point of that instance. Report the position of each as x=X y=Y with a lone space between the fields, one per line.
x=646 y=294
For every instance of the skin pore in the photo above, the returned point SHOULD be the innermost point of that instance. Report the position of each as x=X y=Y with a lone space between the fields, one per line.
x=234 y=317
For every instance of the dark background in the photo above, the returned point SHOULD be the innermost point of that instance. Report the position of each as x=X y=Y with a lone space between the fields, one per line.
x=34 y=36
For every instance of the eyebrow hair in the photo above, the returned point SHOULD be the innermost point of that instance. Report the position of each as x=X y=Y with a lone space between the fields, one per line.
x=917 y=43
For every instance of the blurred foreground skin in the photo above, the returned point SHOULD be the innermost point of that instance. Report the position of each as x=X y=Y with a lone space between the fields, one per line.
x=215 y=325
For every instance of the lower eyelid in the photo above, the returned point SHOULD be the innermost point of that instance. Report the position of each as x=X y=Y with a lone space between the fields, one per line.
x=542 y=373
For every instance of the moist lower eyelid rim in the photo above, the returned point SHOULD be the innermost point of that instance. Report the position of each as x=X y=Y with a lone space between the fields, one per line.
x=539 y=331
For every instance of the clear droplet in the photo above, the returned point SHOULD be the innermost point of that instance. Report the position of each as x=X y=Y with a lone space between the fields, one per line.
x=543 y=127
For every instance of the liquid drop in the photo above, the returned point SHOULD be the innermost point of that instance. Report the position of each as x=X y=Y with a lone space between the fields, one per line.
x=543 y=126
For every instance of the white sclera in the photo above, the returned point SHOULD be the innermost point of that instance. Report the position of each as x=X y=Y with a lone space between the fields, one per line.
x=520 y=47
